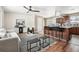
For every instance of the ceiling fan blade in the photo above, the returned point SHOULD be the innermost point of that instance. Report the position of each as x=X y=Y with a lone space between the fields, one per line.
x=27 y=11
x=26 y=7
x=30 y=9
x=35 y=11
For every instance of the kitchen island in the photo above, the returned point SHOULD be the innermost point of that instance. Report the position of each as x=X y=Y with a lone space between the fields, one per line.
x=70 y=37
x=58 y=33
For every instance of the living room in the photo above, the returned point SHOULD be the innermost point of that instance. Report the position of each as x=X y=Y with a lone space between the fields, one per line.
x=43 y=28
x=13 y=16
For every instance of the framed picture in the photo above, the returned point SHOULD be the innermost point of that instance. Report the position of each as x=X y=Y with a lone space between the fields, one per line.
x=20 y=22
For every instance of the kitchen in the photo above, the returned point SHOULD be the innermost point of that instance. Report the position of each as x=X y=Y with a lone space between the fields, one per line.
x=65 y=29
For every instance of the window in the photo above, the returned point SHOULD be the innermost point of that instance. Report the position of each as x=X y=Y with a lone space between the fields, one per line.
x=74 y=19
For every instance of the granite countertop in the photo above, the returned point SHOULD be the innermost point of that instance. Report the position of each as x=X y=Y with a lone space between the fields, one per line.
x=66 y=25
x=61 y=26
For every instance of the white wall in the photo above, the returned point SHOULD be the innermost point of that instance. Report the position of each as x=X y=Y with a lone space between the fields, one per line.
x=50 y=21
x=1 y=17
x=10 y=20
x=51 y=11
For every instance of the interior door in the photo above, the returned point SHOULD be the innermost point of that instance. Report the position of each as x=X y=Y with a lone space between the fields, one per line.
x=39 y=24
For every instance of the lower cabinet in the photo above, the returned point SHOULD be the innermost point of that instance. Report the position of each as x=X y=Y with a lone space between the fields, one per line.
x=66 y=34
x=57 y=34
x=78 y=30
x=74 y=30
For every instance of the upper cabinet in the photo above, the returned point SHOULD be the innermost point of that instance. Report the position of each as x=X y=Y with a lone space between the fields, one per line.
x=62 y=19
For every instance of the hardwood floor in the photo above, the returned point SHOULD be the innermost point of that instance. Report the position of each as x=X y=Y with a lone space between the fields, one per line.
x=58 y=47
x=71 y=46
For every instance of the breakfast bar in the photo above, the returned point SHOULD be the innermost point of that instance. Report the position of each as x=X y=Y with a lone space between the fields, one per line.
x=57 y=33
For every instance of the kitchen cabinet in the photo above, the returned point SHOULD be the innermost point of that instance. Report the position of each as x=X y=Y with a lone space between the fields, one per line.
x=77 y=30
x=57 y=33
x=66 y=34
x=74 y=30
x=59 y=20
x=62 y=19
x=66 y=18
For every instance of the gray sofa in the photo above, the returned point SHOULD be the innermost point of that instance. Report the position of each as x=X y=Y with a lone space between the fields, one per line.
x=9 y=45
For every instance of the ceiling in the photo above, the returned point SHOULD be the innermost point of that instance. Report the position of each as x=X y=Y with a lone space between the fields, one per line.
x=21 y=9
x=14 y=9
x=44 y=10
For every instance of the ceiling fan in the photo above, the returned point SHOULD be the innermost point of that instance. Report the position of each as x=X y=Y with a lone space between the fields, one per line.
x=30 y=9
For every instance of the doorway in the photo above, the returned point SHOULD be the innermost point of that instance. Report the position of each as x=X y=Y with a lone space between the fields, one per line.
x=39 y=24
